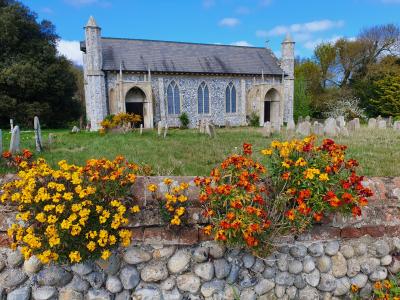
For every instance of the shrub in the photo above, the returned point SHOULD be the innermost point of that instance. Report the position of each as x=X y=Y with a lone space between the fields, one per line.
x=71 y=213
x=347 y=106
x=254 y=119
x=249 y=207
x=13 y=161
x=173 y=204
x=388 y=289
x=184 y=118
x=121 y=120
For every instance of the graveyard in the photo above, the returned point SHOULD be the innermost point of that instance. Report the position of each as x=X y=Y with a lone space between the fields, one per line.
x=189 y=152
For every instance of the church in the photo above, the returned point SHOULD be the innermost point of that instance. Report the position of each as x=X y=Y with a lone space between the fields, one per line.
x=160 y=80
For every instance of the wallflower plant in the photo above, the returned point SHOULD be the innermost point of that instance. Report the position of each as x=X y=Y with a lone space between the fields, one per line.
x=71 y=213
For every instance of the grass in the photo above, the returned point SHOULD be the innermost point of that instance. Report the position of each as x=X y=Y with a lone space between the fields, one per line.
x=186 y=152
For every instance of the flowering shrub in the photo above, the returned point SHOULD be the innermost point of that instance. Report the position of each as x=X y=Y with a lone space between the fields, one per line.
x=173 y=204
x=317 y=179
x=383 y=290
x=13 y=161
x=71 y=213
x=237 y=203
x=121 y=120
x=248 y=205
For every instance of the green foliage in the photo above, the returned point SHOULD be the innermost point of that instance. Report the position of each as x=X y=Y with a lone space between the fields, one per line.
x=387 y=100
x=34 y=80
x=301 y=99
x=254 y=119
x=184 y=118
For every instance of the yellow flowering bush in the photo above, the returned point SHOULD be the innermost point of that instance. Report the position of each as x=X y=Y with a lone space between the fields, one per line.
x=71 y=213
x=173 y=204
x=120 y=120
x=388 y=289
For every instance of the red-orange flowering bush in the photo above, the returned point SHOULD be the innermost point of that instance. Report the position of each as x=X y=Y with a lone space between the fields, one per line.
x=14 y=161
x=236 y=201
x=318 y=180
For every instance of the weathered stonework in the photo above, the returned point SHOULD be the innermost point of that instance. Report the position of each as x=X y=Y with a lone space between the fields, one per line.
x=106 y=91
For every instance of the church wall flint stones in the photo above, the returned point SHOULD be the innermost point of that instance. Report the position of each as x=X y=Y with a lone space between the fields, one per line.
x=116 y=69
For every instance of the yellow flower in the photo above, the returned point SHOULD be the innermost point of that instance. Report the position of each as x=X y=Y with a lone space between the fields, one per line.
x=184 y=185
x=75 y=230
x=91 y=246
x=182 y=198
x=152 y=188
x=51 y=219
x=300 y=162
x=68 y=196
x=167 y=181
x=41 y=217
x=266 y=152
x=180 y=211
x=176 y=220
x=75 y=256
x=105 y=254
x=285 y=164
x=324 y=177
x=135 y=209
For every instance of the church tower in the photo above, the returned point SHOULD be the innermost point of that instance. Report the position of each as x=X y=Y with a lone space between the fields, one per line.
x=287 y=65
x=95 y=94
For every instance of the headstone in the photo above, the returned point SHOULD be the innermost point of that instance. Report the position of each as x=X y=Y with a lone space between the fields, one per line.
x=75 y=129
x=267 y=130
x=382 y=124
x=357 y=123
x=15 y=140
x=396 y=125
x=340 y=121
x=51 y=138
x=351 y=126
x=330 y=128
x=276 y=127
x=11 y=124
x=343 y=131
x=207 y=128
x=372 y=123
x=227 y=124
x=141 y=129
x=38 y=134
x=390 y=121
x=159 y=128
x=300 y=119
x=307 y=119
x=165 y=130
x=290 y=127
x=379 y=118
x=212 y=130
x=304 y=128
x=317 y=128
x=202 y=127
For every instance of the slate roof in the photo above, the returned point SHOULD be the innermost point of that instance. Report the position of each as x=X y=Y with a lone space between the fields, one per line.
x=179 y=57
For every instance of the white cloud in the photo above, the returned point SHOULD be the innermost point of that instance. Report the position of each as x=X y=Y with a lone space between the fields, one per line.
x=242 y=43
x=311 y=44
x=71 y=50
x=301 y=28
x=229 y=22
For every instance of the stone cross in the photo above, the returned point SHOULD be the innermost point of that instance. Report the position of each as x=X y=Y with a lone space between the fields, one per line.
x=15 y=140
x=38 y=134
x=165 y=130
x=11 y=124
x=141 y=129
x=159 y=128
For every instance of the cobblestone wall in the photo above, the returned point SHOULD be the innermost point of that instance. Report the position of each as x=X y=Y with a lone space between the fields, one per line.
x=162 y=264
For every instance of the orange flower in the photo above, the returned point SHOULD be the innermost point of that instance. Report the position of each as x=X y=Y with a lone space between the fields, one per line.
x=253 y=227
x=230 y=215
x=7 y=154
x=285 y=176
x=225 y=225
x=318 y=216
x=290 y=214
x=247 y=149
x=207 y=229
x=354 y=288
x=378 y=285
x=356 y=211
x=363 y=201
x=220 y=236
x=237 y=204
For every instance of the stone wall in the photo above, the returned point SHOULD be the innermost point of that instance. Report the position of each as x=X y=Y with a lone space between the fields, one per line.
x=163 y=264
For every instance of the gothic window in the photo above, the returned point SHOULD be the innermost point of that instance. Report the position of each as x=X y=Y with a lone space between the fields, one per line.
x=174 y=103
x=203 y=99
x=230 y=98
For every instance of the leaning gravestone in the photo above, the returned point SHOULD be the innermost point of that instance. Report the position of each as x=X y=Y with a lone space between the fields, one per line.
x=207 y=129
x=372 y=123
x=165 y=130
x=304 y=128
x=382 y=124
x=38 y=134
x=267 y=130
x=357 y=123
x=159 y=128
x=330 y=128
x=15 y=140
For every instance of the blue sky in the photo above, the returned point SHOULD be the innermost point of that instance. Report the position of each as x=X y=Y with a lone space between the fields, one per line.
x=238 y=22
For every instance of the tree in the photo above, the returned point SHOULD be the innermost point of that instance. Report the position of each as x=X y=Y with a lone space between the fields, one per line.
x=302 y=99
x=34 y=80
x=325 y=56
x=387 y=96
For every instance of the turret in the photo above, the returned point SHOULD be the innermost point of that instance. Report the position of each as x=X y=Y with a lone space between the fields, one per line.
x=287 y=65
x=96 y=105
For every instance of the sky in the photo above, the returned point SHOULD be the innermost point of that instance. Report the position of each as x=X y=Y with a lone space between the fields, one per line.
x=260 y=23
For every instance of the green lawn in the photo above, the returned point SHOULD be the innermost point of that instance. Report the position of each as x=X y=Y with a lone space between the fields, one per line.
x=186 y=152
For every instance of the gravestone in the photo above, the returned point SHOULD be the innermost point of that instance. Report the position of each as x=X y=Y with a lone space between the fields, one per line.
x=299 y=119
x=207 y=128
x=317 y=128
x=304 y=128
x=227 y=124
x=351 y=126
x=159 y=128
x=396 y=125
x=307 y=119
x=15 y=140
x=141 y=129
x=202 y=127
x=267 y=130
x=212 y=130
x=38 y=134
x=340 y=121
x=343 y=131
x=379 y=118
x=165 y=130
x=382 y=124
x=357 y=123
x=372 y=123
x=51 y=138
x=390 y=121
x=276 y=127
x=330 y=128
x=11 y=124
x=290 y=127
x=75 y=129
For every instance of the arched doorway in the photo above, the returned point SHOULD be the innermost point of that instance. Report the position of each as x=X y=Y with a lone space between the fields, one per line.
x=134 y=102
x=271 y=106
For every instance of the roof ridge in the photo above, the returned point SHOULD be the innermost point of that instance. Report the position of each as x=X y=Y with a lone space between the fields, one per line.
x=178 y=42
